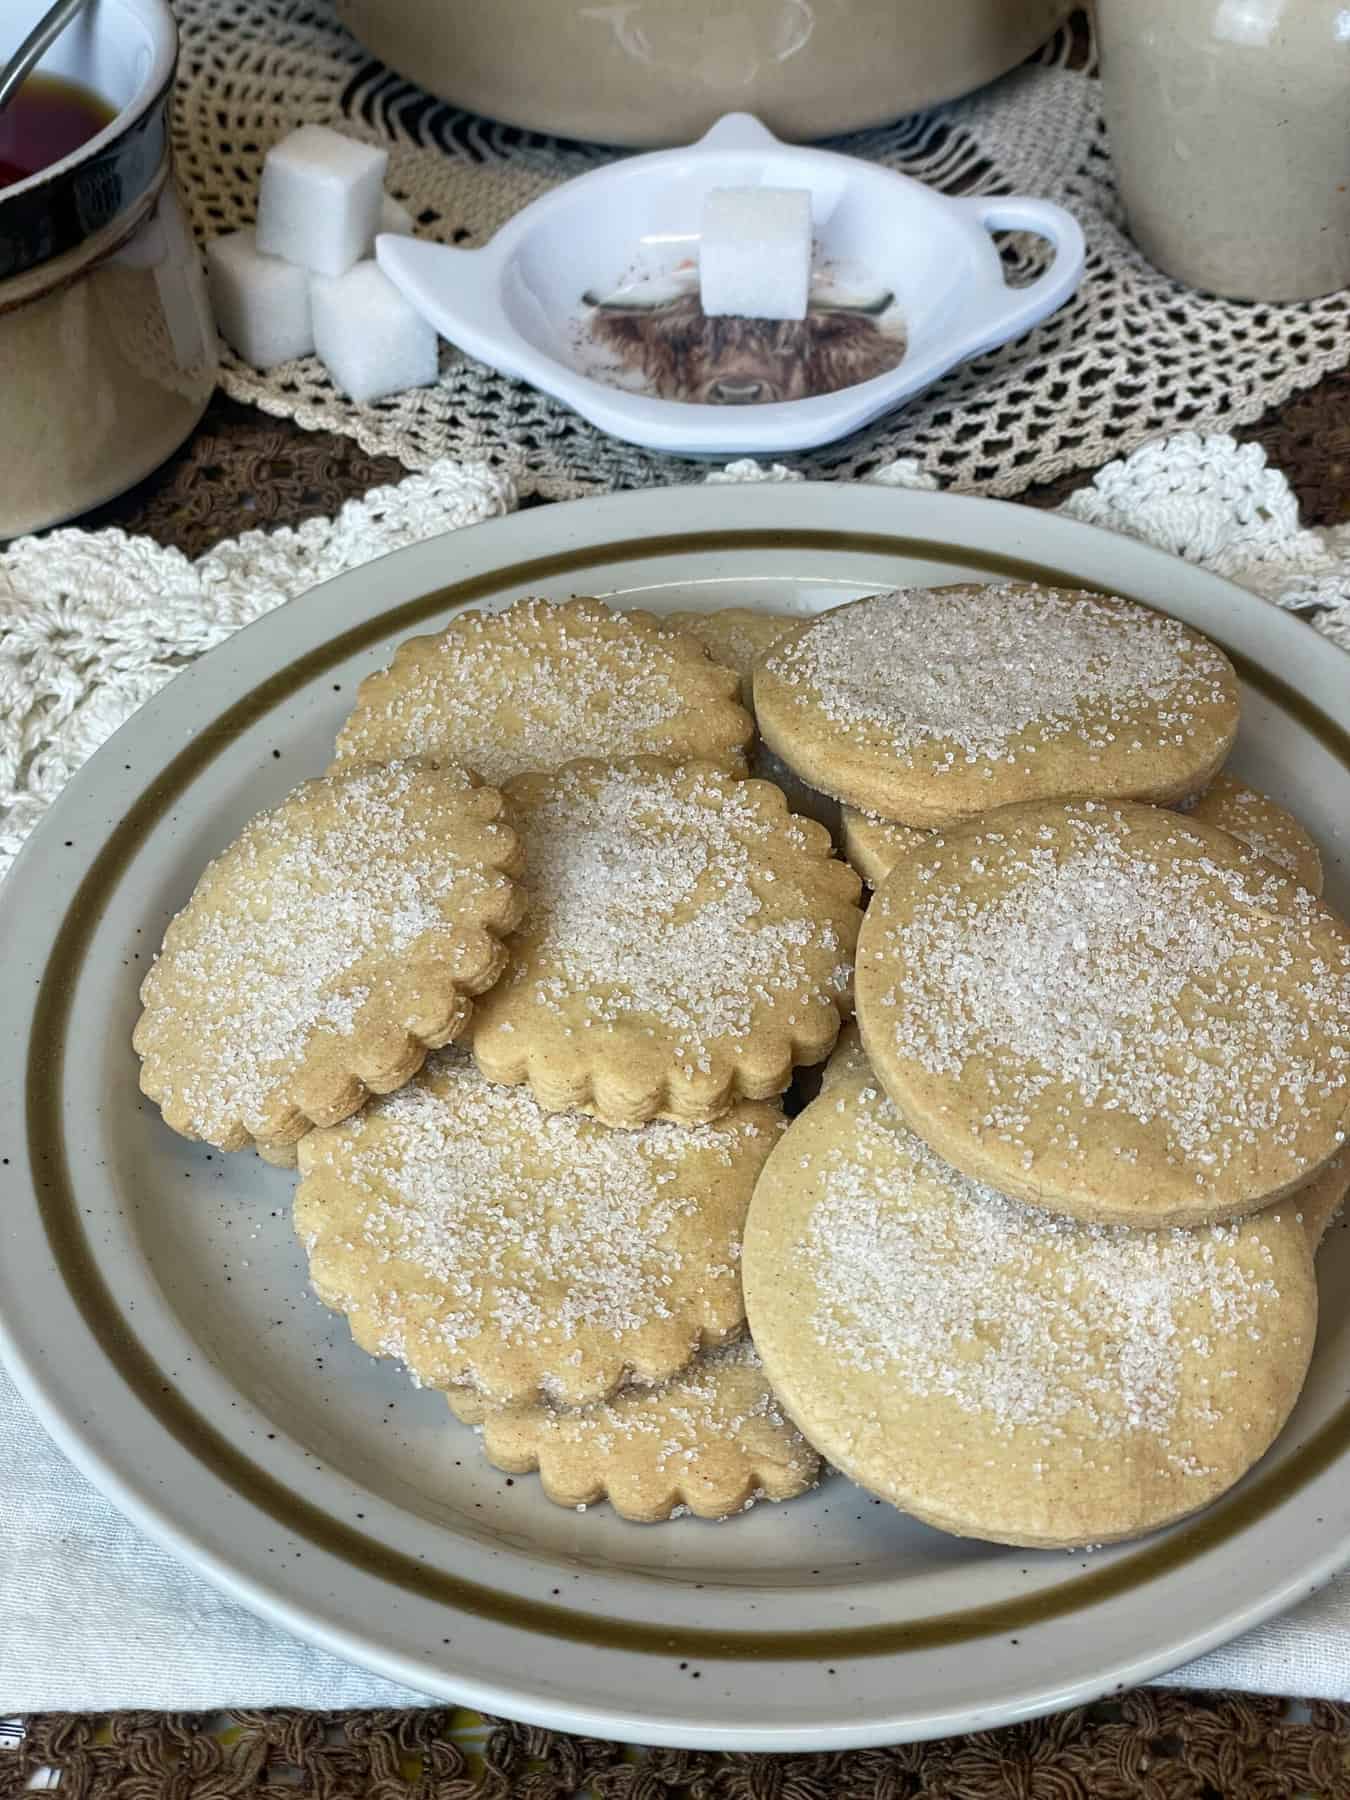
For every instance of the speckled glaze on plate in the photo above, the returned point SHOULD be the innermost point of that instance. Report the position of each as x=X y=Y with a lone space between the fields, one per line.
x=153 y=1303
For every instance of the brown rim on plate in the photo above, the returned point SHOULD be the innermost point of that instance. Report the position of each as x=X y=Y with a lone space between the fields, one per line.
x=154 y=1387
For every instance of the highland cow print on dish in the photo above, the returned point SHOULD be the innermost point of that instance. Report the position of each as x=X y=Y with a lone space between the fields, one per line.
x=663 y=337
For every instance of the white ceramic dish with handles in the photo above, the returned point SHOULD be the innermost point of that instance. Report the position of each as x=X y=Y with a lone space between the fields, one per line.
x=626 y=236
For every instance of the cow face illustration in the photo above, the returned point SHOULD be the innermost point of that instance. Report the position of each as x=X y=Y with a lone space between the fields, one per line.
x=684 y=355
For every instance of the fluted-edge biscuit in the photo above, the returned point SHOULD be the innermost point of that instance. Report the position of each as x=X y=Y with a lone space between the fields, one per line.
x=339 y=937
x=735 y=636
x=874 y=845
x=526 y=1255
x=687 y=942
x=542 y=682
x=710 y=1441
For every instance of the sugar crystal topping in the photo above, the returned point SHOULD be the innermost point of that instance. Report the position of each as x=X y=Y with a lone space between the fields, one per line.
x=707 y=1404
x=1166 y=988
x=971 y=668
x=500 y=694
x=1248 y=816
x=651 y=891
x=268 y=957
x=537 y=1227
x=1030 y=1320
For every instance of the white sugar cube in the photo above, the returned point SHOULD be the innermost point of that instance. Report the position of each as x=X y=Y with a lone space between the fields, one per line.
x=395 y=217
x=261 y=303
x=371 y=341
x=319 y=200
x=754 y=256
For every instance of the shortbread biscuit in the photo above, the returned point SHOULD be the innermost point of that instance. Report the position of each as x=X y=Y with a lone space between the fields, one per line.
x=738 y=637
x=1002 y=1372
x=847 y=1059
x=687 y=942
x=1260 y=824
x=711 y=1440
x=528 y=1256
x=541 y=683
x=1111 y=1011
x=337 y=939
x=1320 y=1203
x=735 y=636
x=874 y=845
x=928 y=705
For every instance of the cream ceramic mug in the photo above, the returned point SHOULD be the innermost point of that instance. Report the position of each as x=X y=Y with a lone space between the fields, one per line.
x=107 y=348
x=1230 y=135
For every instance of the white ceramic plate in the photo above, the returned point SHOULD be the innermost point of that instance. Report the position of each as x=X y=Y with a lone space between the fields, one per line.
x=154 y=1305
x=517 y=303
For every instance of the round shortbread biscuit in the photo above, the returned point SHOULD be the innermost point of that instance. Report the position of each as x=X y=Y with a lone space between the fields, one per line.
x=1002 y=1372
x=874 y=845
x=527 y=1255
x=543 y=682
x=337 y=939
x=928 y=705
x=1261 y=825
x=1319 y=1204
x=711 y=1440
x=1111 y=1011
x=687 y=942
x=847 y=1059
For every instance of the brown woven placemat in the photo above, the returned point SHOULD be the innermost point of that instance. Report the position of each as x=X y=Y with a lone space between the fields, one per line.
x=1152 y=1744
x=242 y=470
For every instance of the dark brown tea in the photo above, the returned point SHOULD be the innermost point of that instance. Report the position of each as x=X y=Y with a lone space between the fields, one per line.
x=46 y=120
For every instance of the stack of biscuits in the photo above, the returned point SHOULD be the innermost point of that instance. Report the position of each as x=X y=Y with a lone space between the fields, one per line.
x=522 y=985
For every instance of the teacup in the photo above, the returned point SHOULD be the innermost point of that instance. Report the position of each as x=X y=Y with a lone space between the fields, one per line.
x=107 y=347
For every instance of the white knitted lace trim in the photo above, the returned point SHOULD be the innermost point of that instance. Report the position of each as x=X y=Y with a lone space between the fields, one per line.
x=97 y=622
x=1132 y=356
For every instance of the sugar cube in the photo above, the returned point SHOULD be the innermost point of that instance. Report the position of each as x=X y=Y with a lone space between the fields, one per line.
x=319 y=199
x=395 y=217
x=754 y=254
x=371 y=341
x=261 y=303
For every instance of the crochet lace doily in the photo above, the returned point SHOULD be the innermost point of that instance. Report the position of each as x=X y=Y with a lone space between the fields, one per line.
x=1132 y=356
x=96 y=622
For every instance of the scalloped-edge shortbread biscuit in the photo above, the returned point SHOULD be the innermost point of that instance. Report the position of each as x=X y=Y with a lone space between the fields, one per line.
x=1110 y=1010
x=1002 y=1372
x=341 y=936
x=738 y=637
x=928 y=705
x=735 y=636
x=874 y=845
x=710 y=1441
x=1260 y=824
x=687 y=942
x=522 y=1254
x=542 y=682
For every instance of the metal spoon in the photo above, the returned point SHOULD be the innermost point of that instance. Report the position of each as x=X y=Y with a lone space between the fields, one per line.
x=34 y=47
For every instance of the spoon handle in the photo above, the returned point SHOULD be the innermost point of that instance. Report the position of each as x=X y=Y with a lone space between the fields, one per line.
x=31 y=51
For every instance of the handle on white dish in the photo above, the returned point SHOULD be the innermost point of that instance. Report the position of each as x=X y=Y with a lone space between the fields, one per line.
x=739 y=131
x=1018 y=309
x=457 y=291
